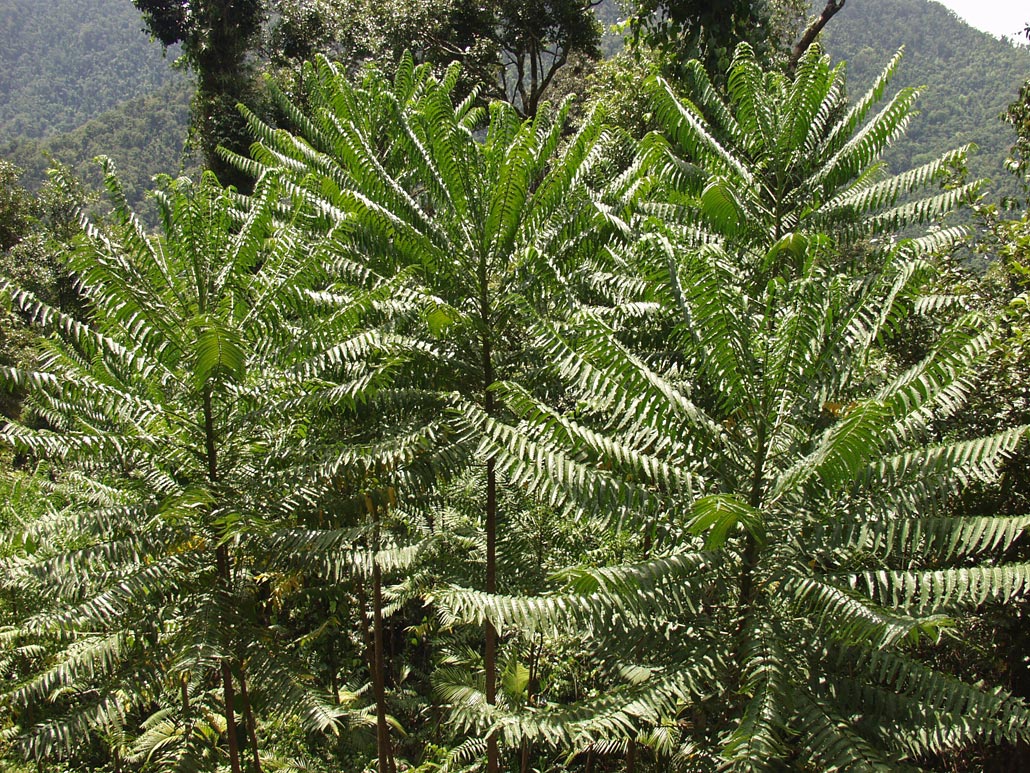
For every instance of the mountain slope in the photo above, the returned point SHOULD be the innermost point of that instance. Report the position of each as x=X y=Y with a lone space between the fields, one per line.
x=63 y=62
x=144 y=137
x=970 y=77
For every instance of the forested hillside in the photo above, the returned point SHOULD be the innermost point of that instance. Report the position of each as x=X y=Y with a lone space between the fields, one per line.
x=144 y=136
x=435 y=423
x=970 y=78
x=64 y=62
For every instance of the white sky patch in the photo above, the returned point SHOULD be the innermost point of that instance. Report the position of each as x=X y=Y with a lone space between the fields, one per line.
x=999 y=17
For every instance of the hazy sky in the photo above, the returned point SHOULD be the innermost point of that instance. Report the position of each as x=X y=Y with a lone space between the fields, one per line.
x=999 y=17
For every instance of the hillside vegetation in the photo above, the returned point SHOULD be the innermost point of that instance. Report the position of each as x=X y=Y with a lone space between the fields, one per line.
x=461 y=431
x=64 y=62
x=970 y=78
x=144 y=136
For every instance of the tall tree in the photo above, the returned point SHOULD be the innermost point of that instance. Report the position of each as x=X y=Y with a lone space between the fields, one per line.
x=148 y=603
x=709 y=31
x=511 y=50
x=798 y=546
x=218 y=38
x=469 y=232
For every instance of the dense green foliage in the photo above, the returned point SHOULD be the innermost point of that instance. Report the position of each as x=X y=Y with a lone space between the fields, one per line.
x=64 y=62
x=968 y=79
x=218 y=38
x=469 y=441
x=660 y=430
x=709 y=31
x=145 y=137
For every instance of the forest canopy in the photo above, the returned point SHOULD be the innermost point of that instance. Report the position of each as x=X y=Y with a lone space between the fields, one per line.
x=473 y=432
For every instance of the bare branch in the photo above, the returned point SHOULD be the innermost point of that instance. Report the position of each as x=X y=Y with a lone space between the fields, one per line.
x=831 y=9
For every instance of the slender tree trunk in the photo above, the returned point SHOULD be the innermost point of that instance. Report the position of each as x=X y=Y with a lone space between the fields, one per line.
x=490 y=654
x=225 y=580
x=379 y=674
x=248 y=714
x=379 y=680
x=808 y=38
x=492 y=764
x=747 y=580
x=185 y=693
x=631 y=756
x=230 y=717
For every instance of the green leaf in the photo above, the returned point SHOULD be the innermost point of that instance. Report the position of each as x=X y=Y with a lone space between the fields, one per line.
x=718 y=515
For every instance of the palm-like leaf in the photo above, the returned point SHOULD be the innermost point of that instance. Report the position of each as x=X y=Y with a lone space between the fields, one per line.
x=815 y=478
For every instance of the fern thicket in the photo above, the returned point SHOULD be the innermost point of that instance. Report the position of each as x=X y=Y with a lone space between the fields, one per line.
x=458 y=379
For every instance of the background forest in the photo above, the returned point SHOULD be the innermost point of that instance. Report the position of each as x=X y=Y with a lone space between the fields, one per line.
x=489 y=387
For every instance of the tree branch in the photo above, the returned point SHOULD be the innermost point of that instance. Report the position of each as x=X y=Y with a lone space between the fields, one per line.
x=831 y=9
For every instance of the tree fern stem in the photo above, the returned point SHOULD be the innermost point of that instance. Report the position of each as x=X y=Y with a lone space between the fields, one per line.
x=224 y=577
x=334 y=679
x=230 y=717
x=490 y=633
x=248 y=715
x=491 y=587
x=379 y=672
x=185 y=692
x=631 y=756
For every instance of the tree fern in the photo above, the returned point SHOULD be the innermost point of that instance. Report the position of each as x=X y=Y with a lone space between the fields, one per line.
x=818 y=486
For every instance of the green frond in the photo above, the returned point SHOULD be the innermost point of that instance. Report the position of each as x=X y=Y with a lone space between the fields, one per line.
x=757 y=741
x=689 y=131
x=867 y=144
x=945 y=590
x=854 y=117
x=599 y=595
x=830 y=739
x=847 y=616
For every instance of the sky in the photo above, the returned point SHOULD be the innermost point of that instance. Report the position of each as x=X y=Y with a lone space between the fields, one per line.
x=999 y=17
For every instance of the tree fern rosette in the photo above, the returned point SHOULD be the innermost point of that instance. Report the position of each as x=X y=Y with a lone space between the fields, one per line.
x=158 y=413
x=776 y=451
x=475 y=220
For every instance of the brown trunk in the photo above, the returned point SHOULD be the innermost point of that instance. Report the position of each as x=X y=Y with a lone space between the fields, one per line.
x=185 y=688
x=248 y=714
x=808 y=38
x=589 y=768
x=225 y=580
x=490 y=654
x=379 y=672
x=631 y=756
x=492 y=764
x=230 y=717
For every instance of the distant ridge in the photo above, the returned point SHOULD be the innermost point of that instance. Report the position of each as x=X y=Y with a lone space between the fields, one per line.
x=970 y=77
x=144 y=136
x=64 y=62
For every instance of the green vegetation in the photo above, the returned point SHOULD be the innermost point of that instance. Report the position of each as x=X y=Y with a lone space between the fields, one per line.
x=470 y=440
x=968 y=79
x=666 y=427
x=64 y=62
x=145 y=137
